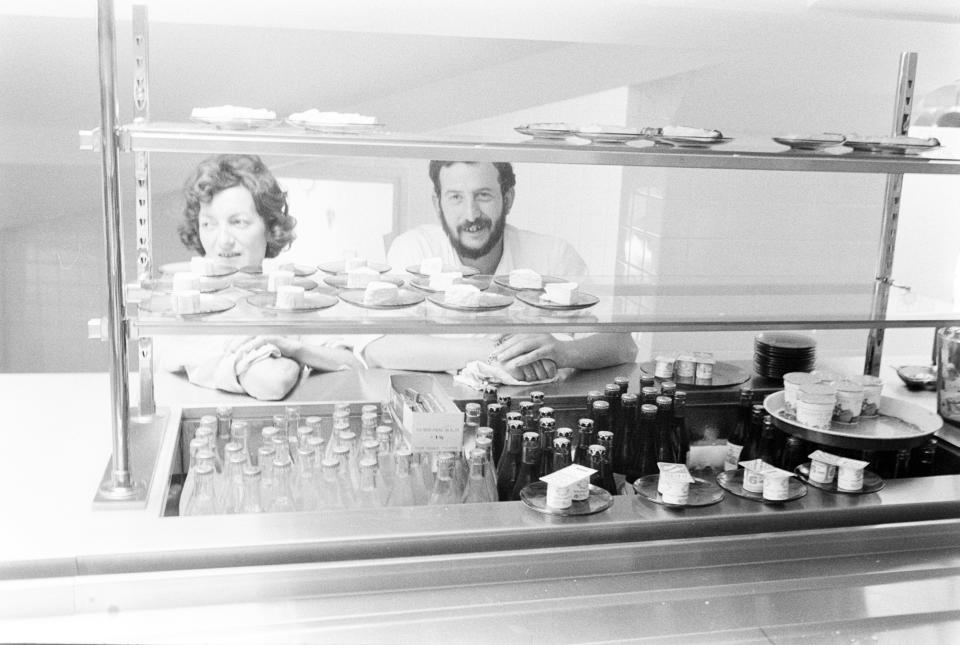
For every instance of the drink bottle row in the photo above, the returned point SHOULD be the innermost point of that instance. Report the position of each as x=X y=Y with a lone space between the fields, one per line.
x=292 y=463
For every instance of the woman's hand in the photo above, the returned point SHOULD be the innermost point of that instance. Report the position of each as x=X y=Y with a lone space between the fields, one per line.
x=289 y=346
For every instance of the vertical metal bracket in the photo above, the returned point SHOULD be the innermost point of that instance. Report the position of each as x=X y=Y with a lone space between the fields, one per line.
x=141 y=113
x=906 y=80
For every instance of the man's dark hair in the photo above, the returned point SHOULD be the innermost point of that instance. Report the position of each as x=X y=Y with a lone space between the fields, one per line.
x=505 y=176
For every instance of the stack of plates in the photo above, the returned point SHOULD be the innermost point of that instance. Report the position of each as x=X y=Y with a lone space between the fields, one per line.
x=777 y=353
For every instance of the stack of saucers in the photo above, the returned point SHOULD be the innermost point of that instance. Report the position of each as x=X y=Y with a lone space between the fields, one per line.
x=775 y=353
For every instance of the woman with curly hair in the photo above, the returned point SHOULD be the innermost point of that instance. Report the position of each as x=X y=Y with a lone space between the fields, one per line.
x=237 y=214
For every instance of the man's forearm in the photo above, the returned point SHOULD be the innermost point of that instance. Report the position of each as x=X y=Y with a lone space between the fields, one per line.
x=426 y=353
x=598 y=350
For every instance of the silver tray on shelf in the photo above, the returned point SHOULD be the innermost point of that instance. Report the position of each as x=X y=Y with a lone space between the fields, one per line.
x=209 y=304
x=899 y=425
x=536 y=299
x=872 y=482
x=811 y=142
x=702 y=492
x=534 y=496
x=549 y=131
x=724 y=375
x=732 y=481
x=236 y=123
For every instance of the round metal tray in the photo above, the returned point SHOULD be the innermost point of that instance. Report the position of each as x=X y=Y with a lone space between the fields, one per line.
x=724 y=375
x=872 y=482
x=702 y=492
x=732 y=480
x=535 y=497
x=899 y=425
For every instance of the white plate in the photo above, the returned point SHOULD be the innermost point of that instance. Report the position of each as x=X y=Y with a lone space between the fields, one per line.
x=337 y=128
x=207 y=285
x=691 y=142
x=609 y=134
x=892 y=145
x=219 y=270
x=536 y=299
x=547 y=130
x=504 y=281
x=488 y=302
x=258 y=283
x=405 y=298
x=337 y=266
x=481 y=282
x=311 y=302
x=208 y=305
x=339 y=281
x=299 y=270
x=811 y=142
x=235 y=123
x=464 y=270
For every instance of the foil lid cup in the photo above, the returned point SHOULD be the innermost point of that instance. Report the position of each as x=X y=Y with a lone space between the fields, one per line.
x=815 y=405
x=663 y=365
x=850 y=474
x=776 y=483
x=753 y=475
x=849 y=401
x=686 y=365
x=792 y=381
x=568 y=485
x=674 y=483
x=705 y=365
x=823 y=467
x=872 y=393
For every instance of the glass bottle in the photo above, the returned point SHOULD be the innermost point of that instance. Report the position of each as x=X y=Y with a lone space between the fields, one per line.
x=630 y=439
x=795 y=452
x=566 y=433
x=496 y=420
x=489 y=397
x=506 y=401
x=209 y=434
x=224 y=421
x=476 y=489
x=250 y=503
x=344 y=454
x=665 y=447
x=597 y=461
x=600 y=413
x=901 y=464
x=751 y=447
x=306 y=492
x=401 y=490
x=545 y=412
x=611 y=394
x=593 y=395
x=648 y=394
x=348 y=493
x=548 y=432
x=283 y=498
x=489 y=472
x=304 y=432
x=419 y=479
x=623 y=383
x=767 y=450
x=537 y=398
x=923 y=458
x=267 y=433
x=738 y=436
x=605 y=439
x=509 y=465
x=330 y=494
x=646 y=380
x=386 y=461
x=668 y=388
x=561 y=453
x=646 y=463
x=527 y=414
x=444 y=489
x=529 y=464
x=189 y=481
x=368 y=425
x=681 y=434
x=369 y=495
x=230 y=496
x=587 y=438
x=265 y=455
x=203 y=499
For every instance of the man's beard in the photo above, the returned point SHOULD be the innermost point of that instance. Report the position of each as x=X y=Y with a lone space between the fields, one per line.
x=475 y=253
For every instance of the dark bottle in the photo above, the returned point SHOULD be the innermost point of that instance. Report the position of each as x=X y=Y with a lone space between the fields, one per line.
x=545 y=411
x=548 y=432
x=529 y=418
x=923 y=458
x=593 y=395
x=489 y=396
x=587 y=438
x=795 y=452
x=623 y=383
x=509 y=464
x=665 y=447
x=506 y=401
x=499 y=425
x=751 y=447
x=529 y=464
x=630 y=443
x=561 y=453
x=767 y=451
x=681 y=434
x=645 y=462
x=537 y=398
x=611 y=394
x=600 y=413
x=566 y=433
x=603 y=478
x=648 y=394
x=512 y=416
x=647 y=380
x=605 y=439
x=738 y=437
x=668 y=388
x=901 y=464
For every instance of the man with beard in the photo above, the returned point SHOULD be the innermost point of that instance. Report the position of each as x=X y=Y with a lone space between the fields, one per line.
x=472 y=201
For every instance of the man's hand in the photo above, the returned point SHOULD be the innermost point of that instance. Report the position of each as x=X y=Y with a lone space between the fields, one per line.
x=530 y=357
x=315 y=356
x=289 y=347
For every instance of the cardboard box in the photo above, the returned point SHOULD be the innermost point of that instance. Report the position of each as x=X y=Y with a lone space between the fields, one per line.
x=434 y=426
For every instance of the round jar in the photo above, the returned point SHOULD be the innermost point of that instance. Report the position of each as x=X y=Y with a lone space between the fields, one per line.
x=815 y=405
x=686 y=366
x=791 y=388
x=663 y=366
x=559 y=496
x=849 y=401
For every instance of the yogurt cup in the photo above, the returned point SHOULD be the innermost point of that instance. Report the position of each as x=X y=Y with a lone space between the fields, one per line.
x=705 y=365
x=791 y=388
x=872 y=392
x=663 y=366
x=815 y=405
x=850 y=474
x=674 y=483
x=753 y=472
x=686 y=366
x=849 y=401
x=776 y=484
x=823 y=467
x=560 y=496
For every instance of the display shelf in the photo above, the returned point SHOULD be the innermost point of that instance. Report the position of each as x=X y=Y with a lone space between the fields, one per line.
x=287 y=140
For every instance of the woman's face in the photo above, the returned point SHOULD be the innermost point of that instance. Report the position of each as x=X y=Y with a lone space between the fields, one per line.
x=231 y=231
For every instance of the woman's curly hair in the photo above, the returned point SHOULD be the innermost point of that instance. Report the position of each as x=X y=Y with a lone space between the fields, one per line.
x=226 y=171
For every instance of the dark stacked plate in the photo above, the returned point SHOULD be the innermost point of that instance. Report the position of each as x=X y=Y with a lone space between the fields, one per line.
x=776 y=353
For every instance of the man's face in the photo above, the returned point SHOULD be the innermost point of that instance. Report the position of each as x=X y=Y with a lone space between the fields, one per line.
x=231 y=230
x=472 y=209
